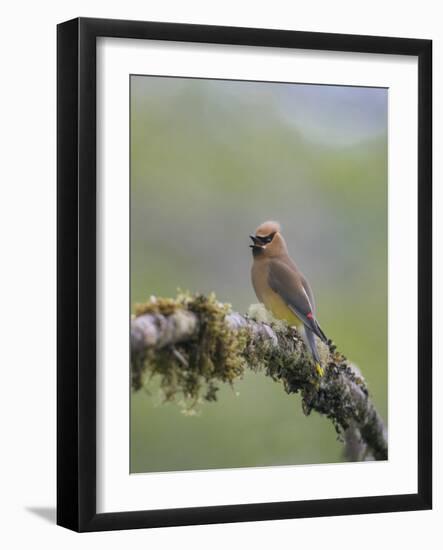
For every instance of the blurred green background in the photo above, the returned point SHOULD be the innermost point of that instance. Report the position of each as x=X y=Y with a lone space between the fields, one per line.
x=211 y=160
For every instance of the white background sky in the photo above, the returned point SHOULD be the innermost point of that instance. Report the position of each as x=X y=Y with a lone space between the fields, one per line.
x=27 y=229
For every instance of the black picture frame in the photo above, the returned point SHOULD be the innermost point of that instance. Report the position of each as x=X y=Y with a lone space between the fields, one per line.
x=76 y=273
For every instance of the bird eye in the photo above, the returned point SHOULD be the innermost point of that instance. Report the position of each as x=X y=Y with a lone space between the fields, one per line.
x=269 y=238
x=265 y=240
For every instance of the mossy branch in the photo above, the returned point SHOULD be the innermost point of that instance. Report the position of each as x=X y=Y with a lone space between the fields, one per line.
x=195 y=343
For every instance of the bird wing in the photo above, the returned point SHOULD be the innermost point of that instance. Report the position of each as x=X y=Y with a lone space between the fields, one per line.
x=289 y=286
x=309 y=292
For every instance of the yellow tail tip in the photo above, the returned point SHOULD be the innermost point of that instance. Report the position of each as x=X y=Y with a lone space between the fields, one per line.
x=319 y=369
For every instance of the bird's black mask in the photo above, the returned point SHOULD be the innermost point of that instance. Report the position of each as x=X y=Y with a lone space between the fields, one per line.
x=258 y=243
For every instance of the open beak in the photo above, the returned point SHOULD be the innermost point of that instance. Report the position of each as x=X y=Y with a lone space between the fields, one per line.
x=256 y=242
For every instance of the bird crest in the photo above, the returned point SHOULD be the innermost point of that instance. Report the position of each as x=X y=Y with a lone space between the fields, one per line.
x=267 y=228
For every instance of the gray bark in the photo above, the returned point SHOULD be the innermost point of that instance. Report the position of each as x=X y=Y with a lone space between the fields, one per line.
x=341 y=394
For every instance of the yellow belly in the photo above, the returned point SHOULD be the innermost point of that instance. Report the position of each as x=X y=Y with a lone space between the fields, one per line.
x=279 y=309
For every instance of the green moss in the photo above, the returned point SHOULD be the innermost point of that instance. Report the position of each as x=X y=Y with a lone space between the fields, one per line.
x=193 y=371
x=165 y=306
x=290 y=363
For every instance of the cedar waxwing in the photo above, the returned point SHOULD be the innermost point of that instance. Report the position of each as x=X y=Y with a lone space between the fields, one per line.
x=281 y=287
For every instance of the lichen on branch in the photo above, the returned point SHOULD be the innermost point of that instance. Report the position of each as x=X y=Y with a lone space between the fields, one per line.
x=194 y=343
x=192 y=369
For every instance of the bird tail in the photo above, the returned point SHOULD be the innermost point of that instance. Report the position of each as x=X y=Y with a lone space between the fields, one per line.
x=310 y=337
x=312 y=345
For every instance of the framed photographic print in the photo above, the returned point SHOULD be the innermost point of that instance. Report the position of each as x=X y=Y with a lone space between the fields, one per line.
x=244 y=274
